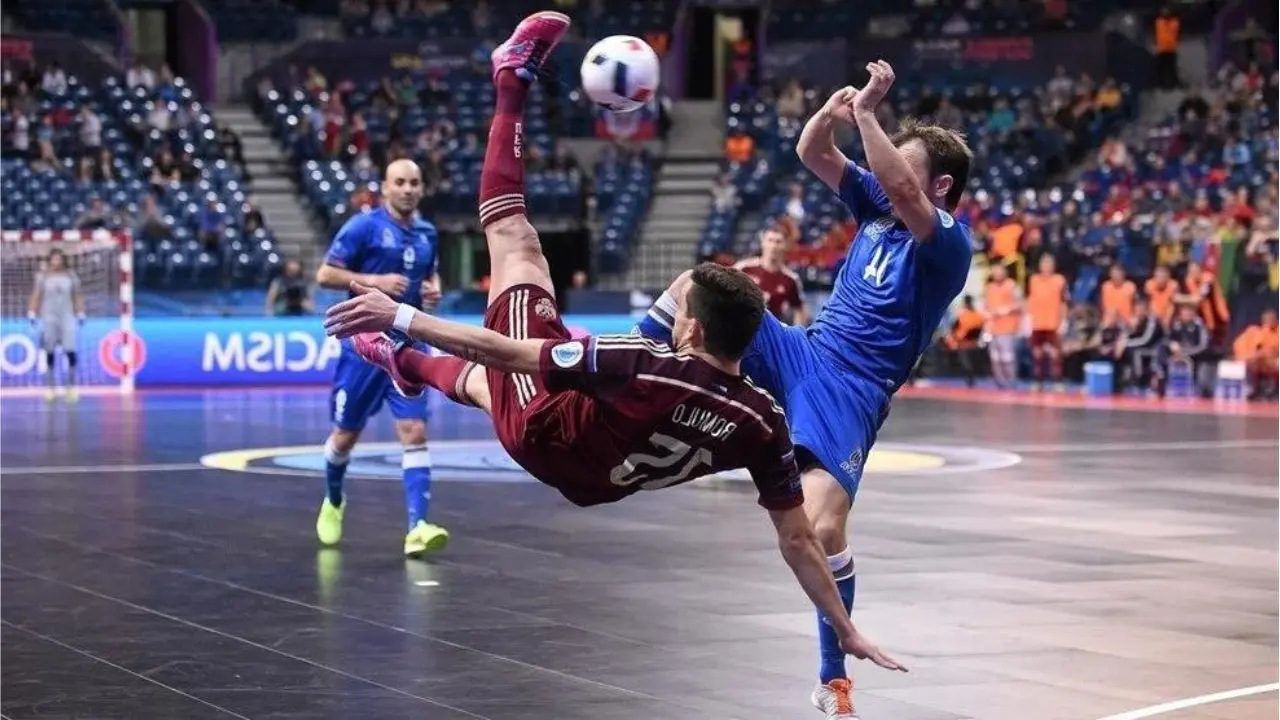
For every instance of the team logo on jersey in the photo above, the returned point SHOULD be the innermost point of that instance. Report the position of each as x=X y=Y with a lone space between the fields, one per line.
x=409 y=257
x=853 y=466
x=567 y=355
x=388 y=238
x=545 y=309
x=945 y=217
x=877 y=229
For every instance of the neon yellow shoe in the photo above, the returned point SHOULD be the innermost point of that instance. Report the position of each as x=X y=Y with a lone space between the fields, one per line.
x=72 y=395
x=425 y=538
x=329 y=522
x=50 y=396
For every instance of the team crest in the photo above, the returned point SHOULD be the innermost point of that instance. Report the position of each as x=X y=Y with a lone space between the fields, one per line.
x=946 y=219
x=545 y=309
x=388 y=238
x=853 y=466
x=409 y=257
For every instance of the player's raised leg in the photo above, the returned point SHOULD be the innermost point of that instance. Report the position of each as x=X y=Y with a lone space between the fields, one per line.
x=515 y=253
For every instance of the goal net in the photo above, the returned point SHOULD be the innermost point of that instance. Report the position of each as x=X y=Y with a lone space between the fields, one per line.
x=104 y=343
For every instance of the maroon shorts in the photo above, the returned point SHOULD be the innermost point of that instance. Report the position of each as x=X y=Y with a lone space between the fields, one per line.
x=522 y=409
x=1041 y=339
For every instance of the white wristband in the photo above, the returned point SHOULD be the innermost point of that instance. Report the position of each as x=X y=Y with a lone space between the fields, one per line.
x=404 y=317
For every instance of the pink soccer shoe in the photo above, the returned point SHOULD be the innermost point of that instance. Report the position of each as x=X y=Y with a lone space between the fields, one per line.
x=380 y=350
x=530 y=45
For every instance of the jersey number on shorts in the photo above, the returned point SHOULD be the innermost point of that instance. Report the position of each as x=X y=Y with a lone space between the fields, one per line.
x=654 y=471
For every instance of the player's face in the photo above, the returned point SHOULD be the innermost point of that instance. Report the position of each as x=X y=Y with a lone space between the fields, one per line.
x=686 y=333
x=917 y=158
x=403 y=187
x=56 y=261
x=772 y=244
x=1046 y=264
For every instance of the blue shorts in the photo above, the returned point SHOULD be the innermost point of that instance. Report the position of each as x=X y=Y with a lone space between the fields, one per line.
x=833 y=414
x=359 y=389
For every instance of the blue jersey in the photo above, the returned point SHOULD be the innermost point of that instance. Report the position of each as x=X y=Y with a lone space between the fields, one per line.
x=374 y=243
x=893 y=291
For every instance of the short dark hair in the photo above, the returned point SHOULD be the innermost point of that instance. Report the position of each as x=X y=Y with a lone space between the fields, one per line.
x=728 y=305
x=947 y=152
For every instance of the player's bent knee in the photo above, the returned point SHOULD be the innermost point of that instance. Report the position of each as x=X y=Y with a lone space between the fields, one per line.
x=343 y=441
x=476 y=388
x=411 y=432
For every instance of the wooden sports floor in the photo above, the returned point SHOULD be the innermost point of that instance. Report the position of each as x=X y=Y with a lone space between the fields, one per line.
x=1030 y=562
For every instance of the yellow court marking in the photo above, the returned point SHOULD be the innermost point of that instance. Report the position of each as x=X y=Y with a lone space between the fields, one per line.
x=880 y=461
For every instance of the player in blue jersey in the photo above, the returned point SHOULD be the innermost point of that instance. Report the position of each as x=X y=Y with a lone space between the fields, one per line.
x=394 y=250
x=909 y=261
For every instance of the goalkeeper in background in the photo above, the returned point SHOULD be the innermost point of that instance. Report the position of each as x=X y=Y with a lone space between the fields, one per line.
x=57 y=308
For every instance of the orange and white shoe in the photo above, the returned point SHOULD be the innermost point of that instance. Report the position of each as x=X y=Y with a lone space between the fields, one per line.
x=531 y=44
x=835 y=699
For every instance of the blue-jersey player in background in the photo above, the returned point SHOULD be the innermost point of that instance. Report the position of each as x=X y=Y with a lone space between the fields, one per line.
x=909 y=261
x=392 y=249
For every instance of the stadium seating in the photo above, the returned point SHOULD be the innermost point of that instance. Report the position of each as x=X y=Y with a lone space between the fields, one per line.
x=89 y=19
x=43 y=197
x=253 y=20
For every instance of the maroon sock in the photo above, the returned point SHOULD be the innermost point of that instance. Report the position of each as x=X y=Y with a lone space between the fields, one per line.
x=445 y=373
x=502 y=177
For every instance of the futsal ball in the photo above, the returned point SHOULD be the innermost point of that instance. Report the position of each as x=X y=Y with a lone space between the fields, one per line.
x=620 y=73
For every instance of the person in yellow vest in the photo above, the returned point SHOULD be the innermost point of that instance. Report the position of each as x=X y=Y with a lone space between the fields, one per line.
x=1168 y=32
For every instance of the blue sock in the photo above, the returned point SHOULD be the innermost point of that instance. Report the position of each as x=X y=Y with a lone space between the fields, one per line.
x=831 y=656
x=417 y=482
x=335 y=469
x=656 y=324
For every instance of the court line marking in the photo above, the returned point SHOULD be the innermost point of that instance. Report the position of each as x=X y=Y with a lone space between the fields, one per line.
x=246 y=641
x=102 y=469
x=1196 y=701
x=108 y=663
x=339 y=613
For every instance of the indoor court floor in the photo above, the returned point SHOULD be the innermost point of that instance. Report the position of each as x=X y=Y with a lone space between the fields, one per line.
x=1028 y=562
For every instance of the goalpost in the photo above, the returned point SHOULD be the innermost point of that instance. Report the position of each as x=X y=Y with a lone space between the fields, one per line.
x=106 y=343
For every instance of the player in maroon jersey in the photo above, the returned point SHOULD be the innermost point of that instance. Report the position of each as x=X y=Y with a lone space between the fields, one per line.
x=783 y=294
x=600 y=418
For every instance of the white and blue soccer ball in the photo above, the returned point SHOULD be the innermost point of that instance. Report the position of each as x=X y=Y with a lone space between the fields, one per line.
x=620 y=73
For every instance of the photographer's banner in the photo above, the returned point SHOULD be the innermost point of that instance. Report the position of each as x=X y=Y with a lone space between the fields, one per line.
x=210 y=352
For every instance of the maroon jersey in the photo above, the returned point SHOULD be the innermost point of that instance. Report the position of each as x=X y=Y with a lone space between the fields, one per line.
x=781 y=288
x=632 y=414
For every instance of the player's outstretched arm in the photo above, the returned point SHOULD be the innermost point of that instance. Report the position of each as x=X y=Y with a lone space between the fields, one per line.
x=900 y=184
x=800 y=548
x=372 y=311
x=817 y=144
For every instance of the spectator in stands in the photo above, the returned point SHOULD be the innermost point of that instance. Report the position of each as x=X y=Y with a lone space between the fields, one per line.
x=962 y=341
x=1258 y=347
x=94 y=217
x=1168 y=30
x=306 y=146
x=724 y=194
x=213 y=220
x=21 y=135
x=151 y=225
x=315 y=82
x=794 y=207
x=44 y=141
x=1062 y=87
x=1003 y=306
x=23 y=102
x=139 y=75
x=1141 y=347
x=791 y=100
x=335 y=120
x=957 y=24
x=739 y=147
x=290 y=293
x=159 y=116
x=948 y=115
x=381 y=19
x=253 y=220
x=90 y=131
x=164 y=172
x=54 y=81
x=1188 y=343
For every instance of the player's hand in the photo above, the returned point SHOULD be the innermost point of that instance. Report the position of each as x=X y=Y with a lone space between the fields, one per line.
x=370 y=310
x=840 y=105
x=876 y=88
x=861 y=647
x=391 y=284
x=431 y=293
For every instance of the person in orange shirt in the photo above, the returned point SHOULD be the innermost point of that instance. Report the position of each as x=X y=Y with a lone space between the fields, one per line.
x=739 y=147
x=1047 y=306
x=1203 y=289
x=1168 y=32
x=964 y=336
x=1161 y=289
x=1003 y=308
x=1118 y=293
x=1258 y=347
